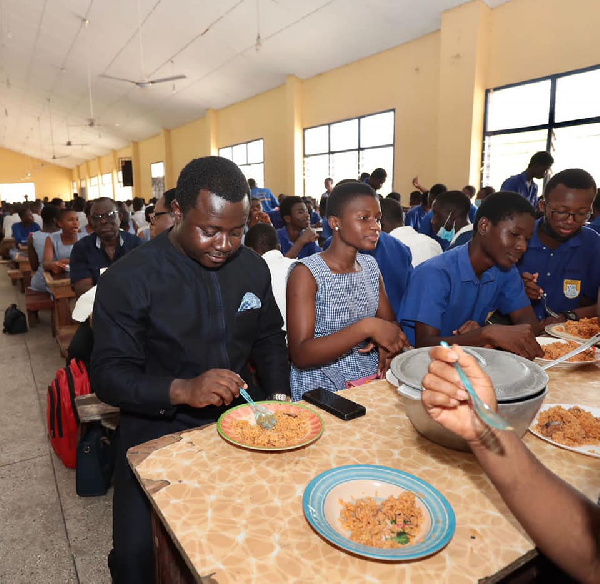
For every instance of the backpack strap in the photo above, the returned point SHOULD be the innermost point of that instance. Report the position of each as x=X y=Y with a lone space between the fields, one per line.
x=71 y=385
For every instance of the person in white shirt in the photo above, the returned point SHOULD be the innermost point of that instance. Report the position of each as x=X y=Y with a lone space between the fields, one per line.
x=139 y=215
x=36 y=209
x=10 y=220
x=262 y=238
x=421 y=246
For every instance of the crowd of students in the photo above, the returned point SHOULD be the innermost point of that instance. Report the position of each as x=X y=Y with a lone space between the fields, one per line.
x=183 y=321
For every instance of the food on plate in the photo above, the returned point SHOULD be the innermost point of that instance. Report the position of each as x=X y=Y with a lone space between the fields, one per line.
x=572 y=427
x=291 y=429
x=391 y=523
x=585 y=328
x=555 y=350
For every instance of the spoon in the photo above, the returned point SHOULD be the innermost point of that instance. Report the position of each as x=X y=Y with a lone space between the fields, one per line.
x=264 y=417
x=483 y=411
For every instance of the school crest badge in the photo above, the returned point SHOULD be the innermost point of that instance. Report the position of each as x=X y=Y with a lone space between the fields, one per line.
x=571 y=288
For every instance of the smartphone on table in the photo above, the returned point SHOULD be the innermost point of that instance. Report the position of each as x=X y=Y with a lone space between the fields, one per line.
x=335 y=404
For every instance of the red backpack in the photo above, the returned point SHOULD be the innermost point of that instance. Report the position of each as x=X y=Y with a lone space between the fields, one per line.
x=61 y=413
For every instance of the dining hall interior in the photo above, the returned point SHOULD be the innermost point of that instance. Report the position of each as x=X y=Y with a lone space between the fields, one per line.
x=112 y=100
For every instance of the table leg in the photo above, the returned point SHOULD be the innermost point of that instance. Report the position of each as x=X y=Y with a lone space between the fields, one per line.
x=62 y=314
x=169 y=565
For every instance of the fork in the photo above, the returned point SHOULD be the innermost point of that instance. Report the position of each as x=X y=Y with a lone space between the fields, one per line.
x=550 y=312
x=483 y=411
x=264 y=417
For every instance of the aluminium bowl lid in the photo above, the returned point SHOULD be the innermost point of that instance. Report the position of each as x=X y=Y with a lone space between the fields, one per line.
x=513 y=377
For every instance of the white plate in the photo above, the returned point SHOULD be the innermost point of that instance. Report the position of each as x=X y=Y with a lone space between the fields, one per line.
x=565 y=364
x=391 y=378
x=589 y=450
x=558 y=330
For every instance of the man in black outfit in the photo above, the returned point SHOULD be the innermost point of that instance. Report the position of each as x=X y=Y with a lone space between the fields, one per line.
x=177 y=324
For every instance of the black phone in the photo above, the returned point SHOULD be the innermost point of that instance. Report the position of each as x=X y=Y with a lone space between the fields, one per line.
x=335 y=404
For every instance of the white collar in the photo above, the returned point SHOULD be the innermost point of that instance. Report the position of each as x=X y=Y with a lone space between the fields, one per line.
x=468 y=227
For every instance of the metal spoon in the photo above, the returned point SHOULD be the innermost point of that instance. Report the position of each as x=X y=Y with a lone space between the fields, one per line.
x=483 y=411
x=580 y=349
x=264 y=417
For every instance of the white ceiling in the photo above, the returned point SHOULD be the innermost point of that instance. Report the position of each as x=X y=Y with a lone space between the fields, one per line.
x=46 y=48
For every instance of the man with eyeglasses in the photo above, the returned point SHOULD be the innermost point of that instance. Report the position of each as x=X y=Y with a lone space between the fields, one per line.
x=101 y=248
x=562 y=256
x=163 y=217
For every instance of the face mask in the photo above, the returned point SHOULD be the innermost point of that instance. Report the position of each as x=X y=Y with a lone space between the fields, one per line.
x=445 y=234
x=477 y=202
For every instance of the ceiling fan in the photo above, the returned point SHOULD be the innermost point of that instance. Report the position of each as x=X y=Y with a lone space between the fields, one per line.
x=144 y=82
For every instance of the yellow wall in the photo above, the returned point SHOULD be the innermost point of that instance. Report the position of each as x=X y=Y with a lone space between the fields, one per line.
x=436 y=84
x=50 y=180
x=262 y=116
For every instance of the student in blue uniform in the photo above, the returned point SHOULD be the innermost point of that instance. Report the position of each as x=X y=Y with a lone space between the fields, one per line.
x=595 y=218
x=415 y=215
x=267 y=199
x=450 y=220
x=563 y=256
x=425 y=227
x=297 y=238
x=450 y=296
x=522 y=183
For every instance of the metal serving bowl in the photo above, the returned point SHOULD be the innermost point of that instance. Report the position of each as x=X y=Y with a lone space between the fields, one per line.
x=521 y=387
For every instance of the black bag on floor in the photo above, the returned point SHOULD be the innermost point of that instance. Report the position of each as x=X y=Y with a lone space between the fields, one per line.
x=95 y=461
x=15 y=321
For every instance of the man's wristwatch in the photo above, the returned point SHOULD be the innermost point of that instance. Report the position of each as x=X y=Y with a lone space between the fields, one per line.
x=570 y=315
x=282 y=397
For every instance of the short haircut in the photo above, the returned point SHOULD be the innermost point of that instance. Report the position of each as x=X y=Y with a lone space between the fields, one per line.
x=391 y=211
x=49 y=213
x=328 y=178
x=596 y=203
x=455 y=200
x=251 y=183
x=364 y=176
x=501 y=206
x=343 y=193
x=542 y=158
x=147 y=212
x=437 y=189
x=63 y=212
x=138 y=204
x=379 y=173
x=285 y=207
x=416 y=197
x=213 y=174
x=488 y=191
x=22 y=211
x=395 y=196
x=261 y=237
x=170 y=196
x=87 y=208
x=103 y=200
x=470 y=189
x=572 y=178
x=56 y=201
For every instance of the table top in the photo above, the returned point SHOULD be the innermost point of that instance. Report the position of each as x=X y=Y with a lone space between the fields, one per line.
x=211 y=495
x=59 y=285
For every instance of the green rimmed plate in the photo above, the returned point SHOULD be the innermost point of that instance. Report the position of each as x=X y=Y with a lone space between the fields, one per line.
x=227 y=430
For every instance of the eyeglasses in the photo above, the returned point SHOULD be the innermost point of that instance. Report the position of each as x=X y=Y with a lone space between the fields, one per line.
x=581 y=217
x=155 y=215
x=106 y=216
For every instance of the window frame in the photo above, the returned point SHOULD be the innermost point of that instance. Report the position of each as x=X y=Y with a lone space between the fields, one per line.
x=358 y=150
x=247 y=164
x=549 y=126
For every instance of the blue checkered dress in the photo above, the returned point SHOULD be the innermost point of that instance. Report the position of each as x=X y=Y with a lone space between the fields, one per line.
x=342 y=300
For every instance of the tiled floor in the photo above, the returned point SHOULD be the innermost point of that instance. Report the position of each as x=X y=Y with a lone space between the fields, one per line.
x=47 y=533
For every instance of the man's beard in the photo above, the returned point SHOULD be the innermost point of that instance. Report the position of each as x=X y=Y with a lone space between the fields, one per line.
x=545 y=227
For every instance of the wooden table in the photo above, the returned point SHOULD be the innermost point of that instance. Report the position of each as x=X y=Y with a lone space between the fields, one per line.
x=208 y=497
x=63 y=325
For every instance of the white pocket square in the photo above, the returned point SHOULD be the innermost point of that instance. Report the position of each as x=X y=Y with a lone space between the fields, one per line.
x=249 y=301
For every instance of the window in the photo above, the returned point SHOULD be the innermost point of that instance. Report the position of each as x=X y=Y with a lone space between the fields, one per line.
x=74 y=186
x=16 y=192
x=348 y=148
x=560 y=113
x=250 y=157
x=106 y=189
x=122 y=193
x=157 y=174
x=94 y=191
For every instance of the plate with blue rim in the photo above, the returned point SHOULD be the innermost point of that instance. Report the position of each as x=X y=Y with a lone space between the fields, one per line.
x=322 y=505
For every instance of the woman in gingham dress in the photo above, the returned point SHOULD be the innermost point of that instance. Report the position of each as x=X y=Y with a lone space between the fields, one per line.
x=340 y=323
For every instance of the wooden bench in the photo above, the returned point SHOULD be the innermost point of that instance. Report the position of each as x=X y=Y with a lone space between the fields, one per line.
x=16 y=277
x=6 y=245
x=36 y=301
x=91 y=409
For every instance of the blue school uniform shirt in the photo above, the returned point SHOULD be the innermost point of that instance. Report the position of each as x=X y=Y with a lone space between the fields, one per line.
x=267 y=198
x=444 y=293
x=286 y=244
x=414 y=217
x=21 y=233
x=395 y=264
x=518 y=184
x=276 y=219
x=472 y=213
x=426 y=229
x=566 y=273
x=595 y=224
